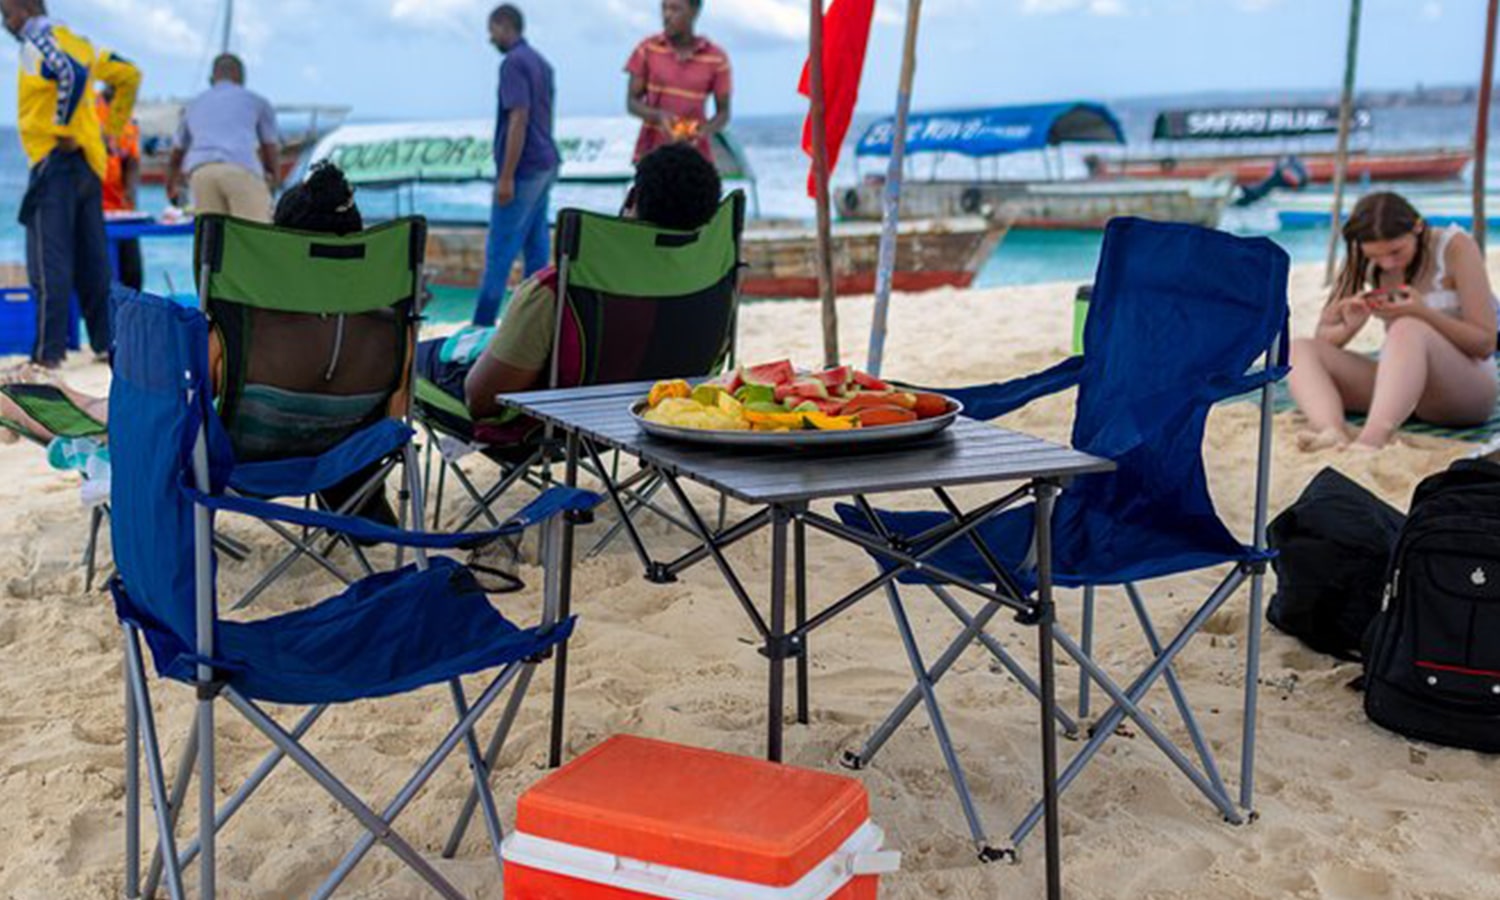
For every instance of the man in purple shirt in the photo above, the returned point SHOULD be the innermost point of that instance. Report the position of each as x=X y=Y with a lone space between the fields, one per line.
x=526 y=163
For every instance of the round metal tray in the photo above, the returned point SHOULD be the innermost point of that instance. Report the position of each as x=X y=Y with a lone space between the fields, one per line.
x=801 y=440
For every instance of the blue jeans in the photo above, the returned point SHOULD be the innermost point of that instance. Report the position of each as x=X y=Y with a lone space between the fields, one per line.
x=66 y=253
x=519 y=226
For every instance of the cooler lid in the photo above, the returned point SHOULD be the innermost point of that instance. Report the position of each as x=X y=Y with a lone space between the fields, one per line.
x=698 y=810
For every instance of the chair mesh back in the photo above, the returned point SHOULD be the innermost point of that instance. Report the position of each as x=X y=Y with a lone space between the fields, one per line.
x=313 y=332
x=644 y=302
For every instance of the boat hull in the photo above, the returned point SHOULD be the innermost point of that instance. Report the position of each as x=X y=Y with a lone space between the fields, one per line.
x=1247 y=171
x=1062 y=205
x=781 y=261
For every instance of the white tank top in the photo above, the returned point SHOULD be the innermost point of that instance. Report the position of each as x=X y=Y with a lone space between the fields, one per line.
x=1442 y=298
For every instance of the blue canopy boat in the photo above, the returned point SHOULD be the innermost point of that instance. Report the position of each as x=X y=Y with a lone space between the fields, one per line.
x=1055 y=202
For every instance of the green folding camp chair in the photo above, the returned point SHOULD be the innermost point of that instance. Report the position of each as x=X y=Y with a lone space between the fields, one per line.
x=311 y=348
x=641 y=303
x=51 y=408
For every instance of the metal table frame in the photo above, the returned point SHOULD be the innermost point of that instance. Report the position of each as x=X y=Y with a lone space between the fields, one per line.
x=595 y=419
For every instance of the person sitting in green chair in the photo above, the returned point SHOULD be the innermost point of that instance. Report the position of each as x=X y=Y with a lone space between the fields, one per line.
x=675 y=187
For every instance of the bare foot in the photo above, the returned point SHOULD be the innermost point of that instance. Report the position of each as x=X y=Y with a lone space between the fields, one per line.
x=1311 y=441
x=1360 y=448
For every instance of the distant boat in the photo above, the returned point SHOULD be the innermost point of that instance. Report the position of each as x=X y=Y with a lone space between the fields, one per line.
x=1438 y=209
x=1032 y=204
x=1253 y=166
x=599 y=151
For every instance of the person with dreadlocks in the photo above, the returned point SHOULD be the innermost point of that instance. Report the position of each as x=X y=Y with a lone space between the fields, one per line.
x=1429 y=288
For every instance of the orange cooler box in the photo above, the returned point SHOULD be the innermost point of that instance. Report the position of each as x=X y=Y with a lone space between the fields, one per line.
x=636 y=819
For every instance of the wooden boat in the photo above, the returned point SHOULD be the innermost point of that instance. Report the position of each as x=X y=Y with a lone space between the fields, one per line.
x=1047 y=204
x=780 y=257
x=1263 y=133
x=1250 y=170
x=301 y=128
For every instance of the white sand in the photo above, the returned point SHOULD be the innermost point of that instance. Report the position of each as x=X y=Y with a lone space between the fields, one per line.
x=1346 y=810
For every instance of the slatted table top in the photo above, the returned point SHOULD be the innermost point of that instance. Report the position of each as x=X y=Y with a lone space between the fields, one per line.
x=969 y=452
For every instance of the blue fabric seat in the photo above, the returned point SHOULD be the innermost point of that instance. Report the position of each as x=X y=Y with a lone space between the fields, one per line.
x=1181 y=318
x=425 y=624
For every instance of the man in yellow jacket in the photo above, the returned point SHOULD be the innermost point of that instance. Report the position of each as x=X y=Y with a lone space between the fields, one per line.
x=62 y=209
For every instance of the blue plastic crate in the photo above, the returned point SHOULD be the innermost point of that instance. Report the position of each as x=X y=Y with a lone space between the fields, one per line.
x=18 y=322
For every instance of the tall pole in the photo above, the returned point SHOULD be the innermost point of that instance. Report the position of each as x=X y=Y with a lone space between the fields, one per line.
x=824 y=258
x=885 y=273
x=227 y=34
x=1482 y=123
x=1341 y=158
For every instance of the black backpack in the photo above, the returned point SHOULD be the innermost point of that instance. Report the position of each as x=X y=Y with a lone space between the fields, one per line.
x=1432 y=668
x=1332 y=550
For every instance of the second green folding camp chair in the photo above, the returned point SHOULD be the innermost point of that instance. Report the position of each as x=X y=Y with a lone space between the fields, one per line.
x=641 y=303
x=311 y=347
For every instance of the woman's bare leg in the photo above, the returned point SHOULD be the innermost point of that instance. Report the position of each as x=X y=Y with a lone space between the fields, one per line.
x=1422 y=373
x=1326 y=382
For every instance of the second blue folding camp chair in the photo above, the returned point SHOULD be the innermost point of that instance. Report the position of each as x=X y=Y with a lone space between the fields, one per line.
x=423 y=625
x=1180 y=316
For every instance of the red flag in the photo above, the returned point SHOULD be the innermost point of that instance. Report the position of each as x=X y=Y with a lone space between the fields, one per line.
x=846 y=35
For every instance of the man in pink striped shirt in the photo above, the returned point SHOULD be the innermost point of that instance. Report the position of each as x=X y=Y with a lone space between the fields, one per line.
x=672 y=75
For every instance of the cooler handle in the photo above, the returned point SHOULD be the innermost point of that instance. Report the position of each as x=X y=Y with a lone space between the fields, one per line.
x=878 y=862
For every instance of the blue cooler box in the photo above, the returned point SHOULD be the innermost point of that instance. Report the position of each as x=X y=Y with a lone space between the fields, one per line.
x=18 y=322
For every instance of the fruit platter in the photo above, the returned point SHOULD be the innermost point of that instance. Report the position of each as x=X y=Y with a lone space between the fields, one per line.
x=775 y=405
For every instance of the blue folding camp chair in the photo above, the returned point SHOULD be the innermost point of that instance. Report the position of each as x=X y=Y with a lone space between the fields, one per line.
x=1179 y=318
x=424 y=624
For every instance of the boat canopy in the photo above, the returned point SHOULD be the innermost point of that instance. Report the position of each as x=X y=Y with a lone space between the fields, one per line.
x=997 y=131
x=1230 y=123
x=594 y=150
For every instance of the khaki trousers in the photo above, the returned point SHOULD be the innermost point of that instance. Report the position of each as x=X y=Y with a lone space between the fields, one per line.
x=230 y=190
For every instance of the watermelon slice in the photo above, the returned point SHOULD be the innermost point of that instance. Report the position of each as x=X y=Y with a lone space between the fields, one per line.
x=836 y=380
x=801 y=389
x=869 y=382
x=771 y=374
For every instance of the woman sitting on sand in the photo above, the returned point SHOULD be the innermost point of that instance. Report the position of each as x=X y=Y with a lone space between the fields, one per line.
x=1429 y=288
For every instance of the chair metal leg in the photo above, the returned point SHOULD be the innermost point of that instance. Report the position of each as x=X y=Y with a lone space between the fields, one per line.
x=1257 y=596
x=96 y=518
x=491 y=759
x=132 y=795
x=263 y=771
x=1179 y=697
x=136 y=673
x=1087 y=639
x=179 y=788
x=374 y=823
x=437 y=503
x=378 y=827
x=481 y=773
x=207 y=801
x=637 y=503
x=1125 y=704
x=935 y=715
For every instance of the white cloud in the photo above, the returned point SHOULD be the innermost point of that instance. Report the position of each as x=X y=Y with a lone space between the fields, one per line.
x=1092 y=7
x=158 y=26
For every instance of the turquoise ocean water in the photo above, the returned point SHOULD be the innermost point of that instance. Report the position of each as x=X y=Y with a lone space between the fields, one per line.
x=771 y=144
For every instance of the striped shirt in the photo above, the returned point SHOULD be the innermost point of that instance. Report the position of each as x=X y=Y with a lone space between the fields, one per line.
x=679 y=84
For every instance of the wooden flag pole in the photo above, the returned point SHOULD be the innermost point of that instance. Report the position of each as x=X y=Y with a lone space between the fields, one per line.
x=1482 y=124
x=885 y=273
x=1341 y=159
x=826 y=284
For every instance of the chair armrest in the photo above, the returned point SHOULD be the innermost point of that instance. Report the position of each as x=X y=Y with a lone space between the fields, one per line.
x=551 y=503
x=991 y=401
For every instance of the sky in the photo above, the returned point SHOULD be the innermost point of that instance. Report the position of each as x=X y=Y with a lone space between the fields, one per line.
x=403 y=59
